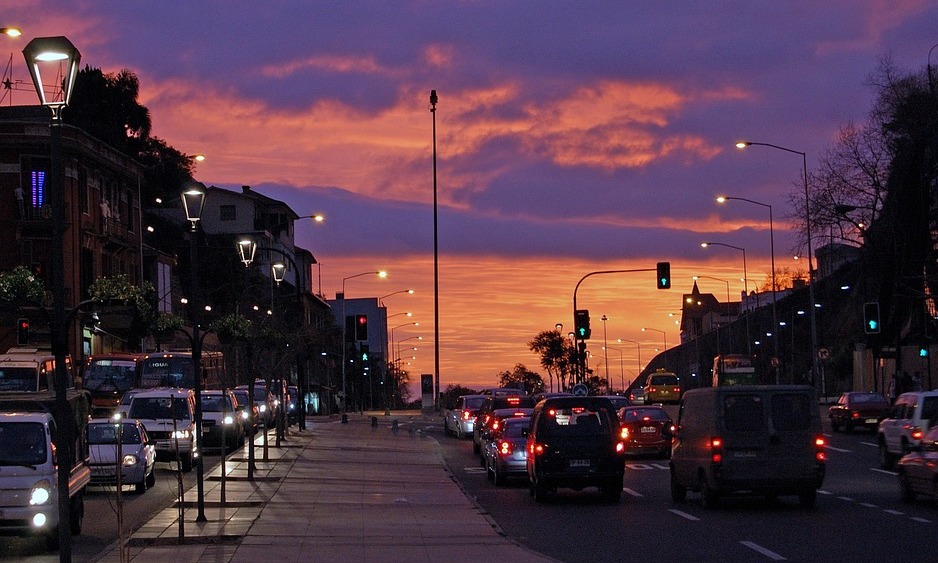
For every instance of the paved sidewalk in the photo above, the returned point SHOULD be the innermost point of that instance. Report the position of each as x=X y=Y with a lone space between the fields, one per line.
x=335 y=492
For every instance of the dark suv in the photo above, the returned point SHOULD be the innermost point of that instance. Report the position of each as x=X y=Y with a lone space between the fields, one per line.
x=493 y=403
x=574 y=442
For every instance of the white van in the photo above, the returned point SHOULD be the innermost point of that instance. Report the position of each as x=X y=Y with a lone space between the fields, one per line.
x=168 y=414
x=905 y=424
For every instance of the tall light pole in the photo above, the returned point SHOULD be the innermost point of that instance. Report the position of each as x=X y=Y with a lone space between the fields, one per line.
x=815 y=371
x=663 y=334
x=621 y=366
x=745 y=287
x=380 y=274
x=193 y=201
x=604 y=318
x=59 y=57
x=436 y=261
x=719 y=280
x=639 y=345
x=722 y=199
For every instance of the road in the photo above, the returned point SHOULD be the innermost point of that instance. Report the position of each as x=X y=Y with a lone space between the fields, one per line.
x=100 y=525
x=858 y=517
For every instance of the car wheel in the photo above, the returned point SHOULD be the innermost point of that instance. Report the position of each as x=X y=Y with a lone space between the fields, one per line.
x=612 y=491
x=151 y=478
x=186 y=463
x=489 y=471
x=52 y=539
x=708 y=496
x=848 y=428
x=482 y=458
x=906 y=493
x=141 y=487
x=808 y=498
x=834 y=426
x=886 y=459
x=76 y=514
x=678 y=491
x=446 y=431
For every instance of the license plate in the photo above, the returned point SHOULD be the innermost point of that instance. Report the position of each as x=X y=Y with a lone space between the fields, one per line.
x=872 y=420
x=579 y=463
x=102 y=471
x=648 y=430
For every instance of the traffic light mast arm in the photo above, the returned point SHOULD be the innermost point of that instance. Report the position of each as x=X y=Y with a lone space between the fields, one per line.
x=575 y=289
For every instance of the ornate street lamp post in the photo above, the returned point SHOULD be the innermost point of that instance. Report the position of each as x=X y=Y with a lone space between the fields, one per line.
x=63 y=57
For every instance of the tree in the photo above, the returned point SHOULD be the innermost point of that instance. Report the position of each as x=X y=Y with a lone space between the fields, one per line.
x=557 y=356
x=596 y=385
x=521 y=377
x=452 y=392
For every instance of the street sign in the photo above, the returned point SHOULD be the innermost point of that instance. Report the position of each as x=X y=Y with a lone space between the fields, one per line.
x=823 y=353
x=580 y=390
x=776 y=362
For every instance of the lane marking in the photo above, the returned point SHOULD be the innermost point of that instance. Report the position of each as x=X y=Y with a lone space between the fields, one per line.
x=634 y=493
x=868 y=505
x=887 y=472
x=758 y=548
x=841 y=450
x=823 y=492
x=684 y=515
x=871 y=444
x=474 y=469
x=922 y=520
x=895 y=512
x=848 y=499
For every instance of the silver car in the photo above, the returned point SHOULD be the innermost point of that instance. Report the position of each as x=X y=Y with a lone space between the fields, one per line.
x=460 y=420
x=505 y=449
x=137 y=453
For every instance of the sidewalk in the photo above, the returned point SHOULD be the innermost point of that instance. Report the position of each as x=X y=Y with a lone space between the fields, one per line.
x=335 y=492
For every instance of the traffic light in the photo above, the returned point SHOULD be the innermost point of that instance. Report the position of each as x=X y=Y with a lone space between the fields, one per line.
x=871 y=324
x=22 y=332
x=664 y=275
x=363 y=350
x=582 y=323
x=361 y=327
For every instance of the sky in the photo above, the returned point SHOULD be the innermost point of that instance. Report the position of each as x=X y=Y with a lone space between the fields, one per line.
x=571 y=137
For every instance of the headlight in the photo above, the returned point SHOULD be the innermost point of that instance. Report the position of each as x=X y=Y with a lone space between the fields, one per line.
x=263 y=408
x=245 y=415
x=228 y=420
x=41 y=493
x=180 y=434
x=130 y=460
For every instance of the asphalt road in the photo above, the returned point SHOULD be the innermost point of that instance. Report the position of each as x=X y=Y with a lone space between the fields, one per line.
x=858 y=516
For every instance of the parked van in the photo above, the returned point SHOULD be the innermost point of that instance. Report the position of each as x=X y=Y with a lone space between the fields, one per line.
x=905 y=424
x=757 y=439
x=168 y=414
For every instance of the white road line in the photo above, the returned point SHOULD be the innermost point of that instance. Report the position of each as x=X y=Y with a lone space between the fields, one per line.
x=870 y=444
x=841 y=450
x=756 y=547
x=684 y=515
x=868 y=505
x=634 y=493
x=922 y=520
x=848 y=499
x=474 y=469
x=878 y=470
x=823 y=492
x=894 y=512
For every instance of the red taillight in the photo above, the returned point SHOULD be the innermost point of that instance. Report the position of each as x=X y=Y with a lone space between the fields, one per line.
x=652 y=389
x=916 y=433
x=466 y=415
x=495 y=425
x=624 y=433
x=819 y=453
x=513 y=400
x=620 y=447
x=854 y=414
x=677 y=389
x=505 y=447
x=716 y=450
x=535 y=448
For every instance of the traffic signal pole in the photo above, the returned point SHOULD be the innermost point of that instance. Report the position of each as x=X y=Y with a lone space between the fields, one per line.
x=581 y=363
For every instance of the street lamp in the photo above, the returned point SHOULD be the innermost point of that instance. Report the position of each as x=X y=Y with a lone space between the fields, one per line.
x=380 y=274
x=621 y=366
x=383 y=297
x=639 y=345
x=719 y=280
x=722 y=199
x=745 y=287
x=807 y=225
x=61 y=55
x=193 y=202
x=604 y=318
x=436 y=258
x=663 y=333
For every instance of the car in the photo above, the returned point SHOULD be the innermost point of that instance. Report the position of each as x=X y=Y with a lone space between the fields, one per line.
x=749 y=439
x=169 y=417
x=637 y=395
x=500 y=391
x=906 y=422
x=250 y=415
x=263 y=400
x=494 y=421
x=505 y=450
x=220 y=424
x=549 y=395
x=293 y=407
x=618 y=401
x=856 y=409
x=918 y=470
x=573 y=442
x=491 y=403
x=460 y=420
x=136 y=452
x=663 y=387
x=645 y=429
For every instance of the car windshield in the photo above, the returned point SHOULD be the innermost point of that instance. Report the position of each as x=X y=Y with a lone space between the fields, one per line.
x=743 y=412
x=216 y=403
x=867 y=398
x=577 y=421
x=105 y=374
x=664 y=380
x=19 y=379
x=106 y=433
x=791 y=411
x=22 y=443
x=640 y=414
x=515 y=427
x=473 y=402
x=155 y=408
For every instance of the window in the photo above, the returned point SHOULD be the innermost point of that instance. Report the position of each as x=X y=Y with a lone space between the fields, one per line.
x=743 y=412
x=228 y=213
x=791 y=412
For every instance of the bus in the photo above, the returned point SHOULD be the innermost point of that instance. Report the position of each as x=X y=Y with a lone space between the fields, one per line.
x=31 y=370
x=734 y=369
x=107 y=377
x=174 y=369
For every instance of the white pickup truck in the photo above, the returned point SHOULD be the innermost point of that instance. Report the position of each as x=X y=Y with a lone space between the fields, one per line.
x=29 y=465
